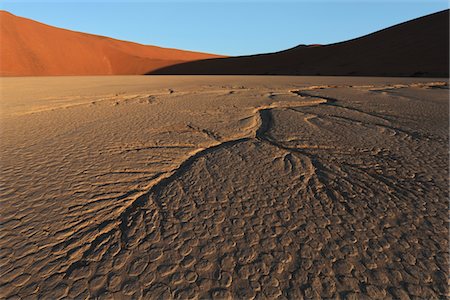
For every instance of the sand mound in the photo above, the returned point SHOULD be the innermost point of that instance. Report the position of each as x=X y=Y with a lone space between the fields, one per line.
x=416 y=48
x=33 y=48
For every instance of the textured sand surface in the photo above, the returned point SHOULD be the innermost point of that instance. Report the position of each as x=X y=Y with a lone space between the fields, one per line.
x=30 y=48
x=220 y=187
x=419 y=47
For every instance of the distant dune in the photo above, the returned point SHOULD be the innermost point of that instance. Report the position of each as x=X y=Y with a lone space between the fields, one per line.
x=32 y=48
x=415 y=48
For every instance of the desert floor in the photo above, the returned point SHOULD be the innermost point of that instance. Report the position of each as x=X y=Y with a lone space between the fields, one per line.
x=216 y=187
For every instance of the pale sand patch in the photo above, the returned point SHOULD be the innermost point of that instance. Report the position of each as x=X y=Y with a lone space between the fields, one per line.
x=223 y=186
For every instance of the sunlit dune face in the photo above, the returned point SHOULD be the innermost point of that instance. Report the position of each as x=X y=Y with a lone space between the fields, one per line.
x=32 y=48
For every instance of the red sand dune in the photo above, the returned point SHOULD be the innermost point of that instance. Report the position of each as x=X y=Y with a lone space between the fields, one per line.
x=415 y=48
x=32 y=48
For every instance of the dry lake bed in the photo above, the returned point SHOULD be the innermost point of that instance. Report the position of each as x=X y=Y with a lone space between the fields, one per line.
x=224 y=187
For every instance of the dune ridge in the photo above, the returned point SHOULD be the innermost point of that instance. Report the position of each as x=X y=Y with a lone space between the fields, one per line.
x=30 y=48
x=416 y=48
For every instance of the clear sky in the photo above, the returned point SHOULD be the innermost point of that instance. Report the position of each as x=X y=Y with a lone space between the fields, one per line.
x=225 y=27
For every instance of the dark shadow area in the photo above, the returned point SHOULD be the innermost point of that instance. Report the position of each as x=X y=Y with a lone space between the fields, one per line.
x=417 y=48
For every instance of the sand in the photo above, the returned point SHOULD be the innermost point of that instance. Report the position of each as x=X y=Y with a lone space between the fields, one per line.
x=419 y=48
x=220 y=187
x=30 y=48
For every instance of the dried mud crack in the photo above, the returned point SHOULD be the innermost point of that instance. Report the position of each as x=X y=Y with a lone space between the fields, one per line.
x=319 y=193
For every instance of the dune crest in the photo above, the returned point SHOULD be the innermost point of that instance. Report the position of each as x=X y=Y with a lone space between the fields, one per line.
x=417 y=48
x=30 y=48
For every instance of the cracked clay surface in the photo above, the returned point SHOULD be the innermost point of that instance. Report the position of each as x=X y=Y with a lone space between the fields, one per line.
x=224 y=188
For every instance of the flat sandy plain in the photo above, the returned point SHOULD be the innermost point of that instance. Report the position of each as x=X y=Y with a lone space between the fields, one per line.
x=217 y=187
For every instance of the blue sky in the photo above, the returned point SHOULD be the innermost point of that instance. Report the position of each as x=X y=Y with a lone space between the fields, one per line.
x=225 y=27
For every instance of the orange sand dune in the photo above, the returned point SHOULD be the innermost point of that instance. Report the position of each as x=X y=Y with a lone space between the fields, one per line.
x=32 y=48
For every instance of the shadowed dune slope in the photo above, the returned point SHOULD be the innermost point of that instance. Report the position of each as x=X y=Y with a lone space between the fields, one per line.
x=32 y=48
x=414 y=48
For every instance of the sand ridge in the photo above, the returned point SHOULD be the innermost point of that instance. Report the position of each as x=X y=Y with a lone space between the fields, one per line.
x=30 y=48
x=418 y=47
x=284 y=188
